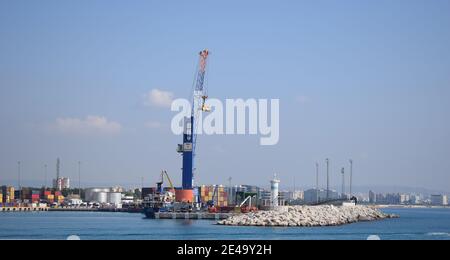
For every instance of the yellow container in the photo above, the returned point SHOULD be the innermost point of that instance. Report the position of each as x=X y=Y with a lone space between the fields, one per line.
x=10 y=190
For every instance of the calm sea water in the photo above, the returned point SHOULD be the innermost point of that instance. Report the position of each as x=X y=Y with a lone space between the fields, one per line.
x=413 y=224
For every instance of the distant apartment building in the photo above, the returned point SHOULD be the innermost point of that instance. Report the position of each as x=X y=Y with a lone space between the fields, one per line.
x=293 y=195
x=310 y=196
x=439 y=200
x=372 y=197
x=393 y=198
x=389 y=198
x=405 y=199
x=414 y=199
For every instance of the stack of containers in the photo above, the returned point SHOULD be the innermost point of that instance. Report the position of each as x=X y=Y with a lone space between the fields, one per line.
x=146 y=192
x=26 y=194
x=6 y=194
x=10 y=192
x=59 y=197
x=223 y=197
x=220 y=198
x=50 y=198
x=35 y=196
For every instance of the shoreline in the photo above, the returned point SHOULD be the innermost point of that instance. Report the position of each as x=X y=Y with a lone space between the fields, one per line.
x=409 y=206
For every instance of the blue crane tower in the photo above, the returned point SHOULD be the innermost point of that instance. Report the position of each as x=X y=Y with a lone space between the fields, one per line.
x=199 y=97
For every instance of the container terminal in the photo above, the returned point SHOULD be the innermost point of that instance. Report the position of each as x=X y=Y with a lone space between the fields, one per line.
x=165 y=200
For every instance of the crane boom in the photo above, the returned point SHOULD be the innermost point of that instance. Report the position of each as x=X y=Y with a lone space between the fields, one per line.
x=169 y=180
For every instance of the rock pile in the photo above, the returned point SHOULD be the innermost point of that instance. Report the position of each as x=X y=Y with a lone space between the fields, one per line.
x=307 y=216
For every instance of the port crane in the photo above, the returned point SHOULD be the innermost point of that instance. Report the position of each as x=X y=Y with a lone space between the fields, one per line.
x=159 y=184
x=198 y=106
x=211 y=204
x=184 y=197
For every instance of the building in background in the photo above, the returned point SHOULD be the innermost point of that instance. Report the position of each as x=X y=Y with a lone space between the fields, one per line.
x=310 y=196
x=233 y=199
x=61 y=184
x=293 y=195
x=372 y=197
x=414 y=199
x=405 y=199
x=439 y=200
x=265 y=198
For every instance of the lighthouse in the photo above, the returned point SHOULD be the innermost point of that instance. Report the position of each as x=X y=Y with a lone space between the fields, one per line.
x=274 y=191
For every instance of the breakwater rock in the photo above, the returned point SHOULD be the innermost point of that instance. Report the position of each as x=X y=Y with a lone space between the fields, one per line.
x=307 y=216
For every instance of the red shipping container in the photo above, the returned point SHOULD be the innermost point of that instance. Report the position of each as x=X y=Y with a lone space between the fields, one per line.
x=46 y=193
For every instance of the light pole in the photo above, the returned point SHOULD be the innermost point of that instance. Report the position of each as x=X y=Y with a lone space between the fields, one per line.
x=351 y=177
x=343 y=182
x=230 y=190
x=317 y=183
x=18 y=179
x=45 y=176
x=328 y=178
x=79 y=179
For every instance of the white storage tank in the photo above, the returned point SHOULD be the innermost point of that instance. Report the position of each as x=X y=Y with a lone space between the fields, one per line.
x=100 y=197
x=115 y=198
x=90 y=193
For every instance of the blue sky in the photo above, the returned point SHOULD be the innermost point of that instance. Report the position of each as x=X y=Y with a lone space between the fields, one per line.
x=367 y=80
